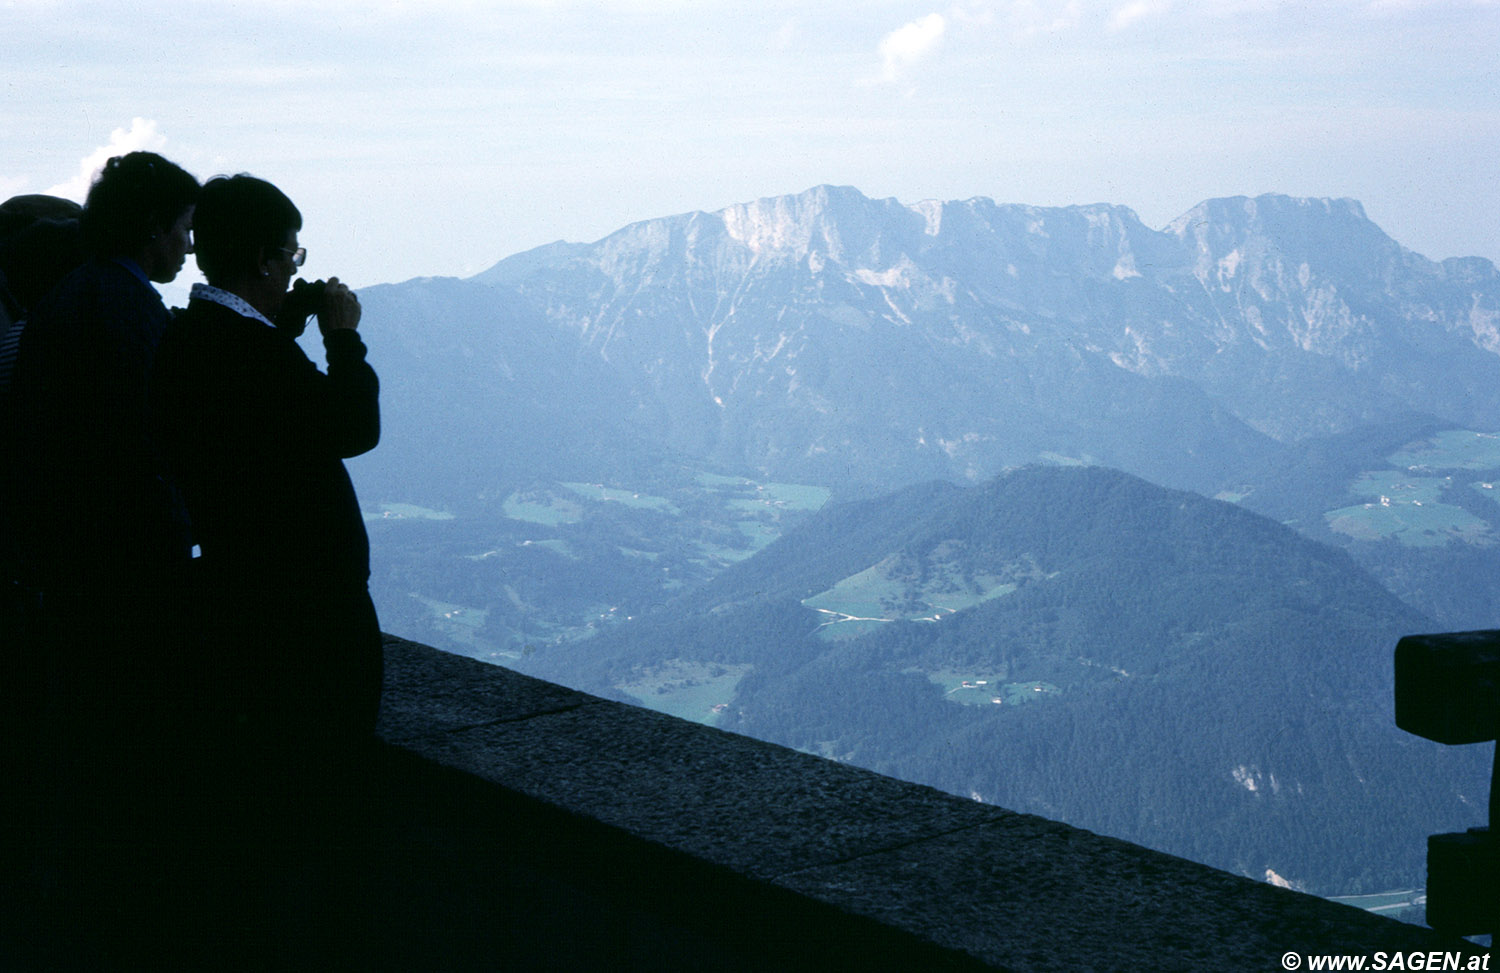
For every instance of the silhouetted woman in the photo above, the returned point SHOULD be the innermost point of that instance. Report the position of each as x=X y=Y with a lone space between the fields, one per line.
x=256 y=436
x=100 y=537
x=103 y=529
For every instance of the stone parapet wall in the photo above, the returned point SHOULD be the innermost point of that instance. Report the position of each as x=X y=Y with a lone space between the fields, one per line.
x=872 y=860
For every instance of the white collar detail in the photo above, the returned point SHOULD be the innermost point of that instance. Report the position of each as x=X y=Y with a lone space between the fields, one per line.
x=234 y=302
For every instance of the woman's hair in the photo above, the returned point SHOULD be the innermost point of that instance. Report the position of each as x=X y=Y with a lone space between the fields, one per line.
x=236 y=217
x=134 y=197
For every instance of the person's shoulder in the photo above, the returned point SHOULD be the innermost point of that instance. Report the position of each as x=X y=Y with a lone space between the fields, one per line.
x=103 y=289
x=202 y=311
x=213 y=322
x=67 y=293
x=114 y=278
x=202 y=324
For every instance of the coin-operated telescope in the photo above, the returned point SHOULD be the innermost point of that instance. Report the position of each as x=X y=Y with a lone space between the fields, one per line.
x=1448 y=690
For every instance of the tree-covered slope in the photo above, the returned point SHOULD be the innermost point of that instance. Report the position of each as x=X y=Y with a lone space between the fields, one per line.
x=1079 y=643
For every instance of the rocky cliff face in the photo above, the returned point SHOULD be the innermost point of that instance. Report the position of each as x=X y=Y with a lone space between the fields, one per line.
x=1332 y=321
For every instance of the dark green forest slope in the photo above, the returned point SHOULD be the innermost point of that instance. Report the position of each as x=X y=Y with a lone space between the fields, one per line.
x=1079 y=643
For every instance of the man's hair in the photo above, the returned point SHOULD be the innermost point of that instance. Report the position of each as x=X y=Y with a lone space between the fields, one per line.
x=19 y=212
x=236 y=217
x=134 y=197
x=35 y=259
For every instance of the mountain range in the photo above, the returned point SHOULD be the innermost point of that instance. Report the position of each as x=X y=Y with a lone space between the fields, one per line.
x=833 y=338
x=589 y=447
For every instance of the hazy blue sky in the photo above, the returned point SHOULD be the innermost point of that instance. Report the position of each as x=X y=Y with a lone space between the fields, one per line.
x=435 y=138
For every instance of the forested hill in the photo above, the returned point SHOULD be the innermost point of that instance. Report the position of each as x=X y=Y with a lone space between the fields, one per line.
x=1082 y=644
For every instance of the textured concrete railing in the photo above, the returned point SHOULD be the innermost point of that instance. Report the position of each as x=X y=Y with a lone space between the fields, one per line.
x=751 y=853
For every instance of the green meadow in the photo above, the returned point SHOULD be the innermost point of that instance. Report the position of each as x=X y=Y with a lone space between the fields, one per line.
x=604 y=494
x=406 y=511
x=542 y=507
x=696 y=691
x=1406 y=502
x=1452 y=449
x=894 y=590
x=989 y=688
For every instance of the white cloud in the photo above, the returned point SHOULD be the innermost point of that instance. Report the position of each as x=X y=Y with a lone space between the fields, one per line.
x=141 y=135
x=907 y=45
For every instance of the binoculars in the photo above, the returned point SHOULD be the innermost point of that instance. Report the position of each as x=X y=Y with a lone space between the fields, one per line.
x=300 y=303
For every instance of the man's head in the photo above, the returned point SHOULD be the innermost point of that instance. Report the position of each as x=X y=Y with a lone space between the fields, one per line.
x=19 y=212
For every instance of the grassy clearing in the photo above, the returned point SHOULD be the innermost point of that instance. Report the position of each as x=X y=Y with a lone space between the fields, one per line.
x=1413 y=524
x=758 y=532
x=457 y=616
x=540 y=507
x=755 y=510
x=867 y=594
x=405 y=511
x=970 y=687
x=640 y=501
x=1408 y=508
x=1487 y=488
x=900 y=588
x=1399 y=486
x=460 y=623
x=1452 y=449
x=834 y=629
x=989 y=688
x=689 y=690
x=791 y=496
x=749 y=496
x=555 y=545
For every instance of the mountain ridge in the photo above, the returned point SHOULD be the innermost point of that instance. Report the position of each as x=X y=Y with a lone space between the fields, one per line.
x=747 y=222
x=1273 y=317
